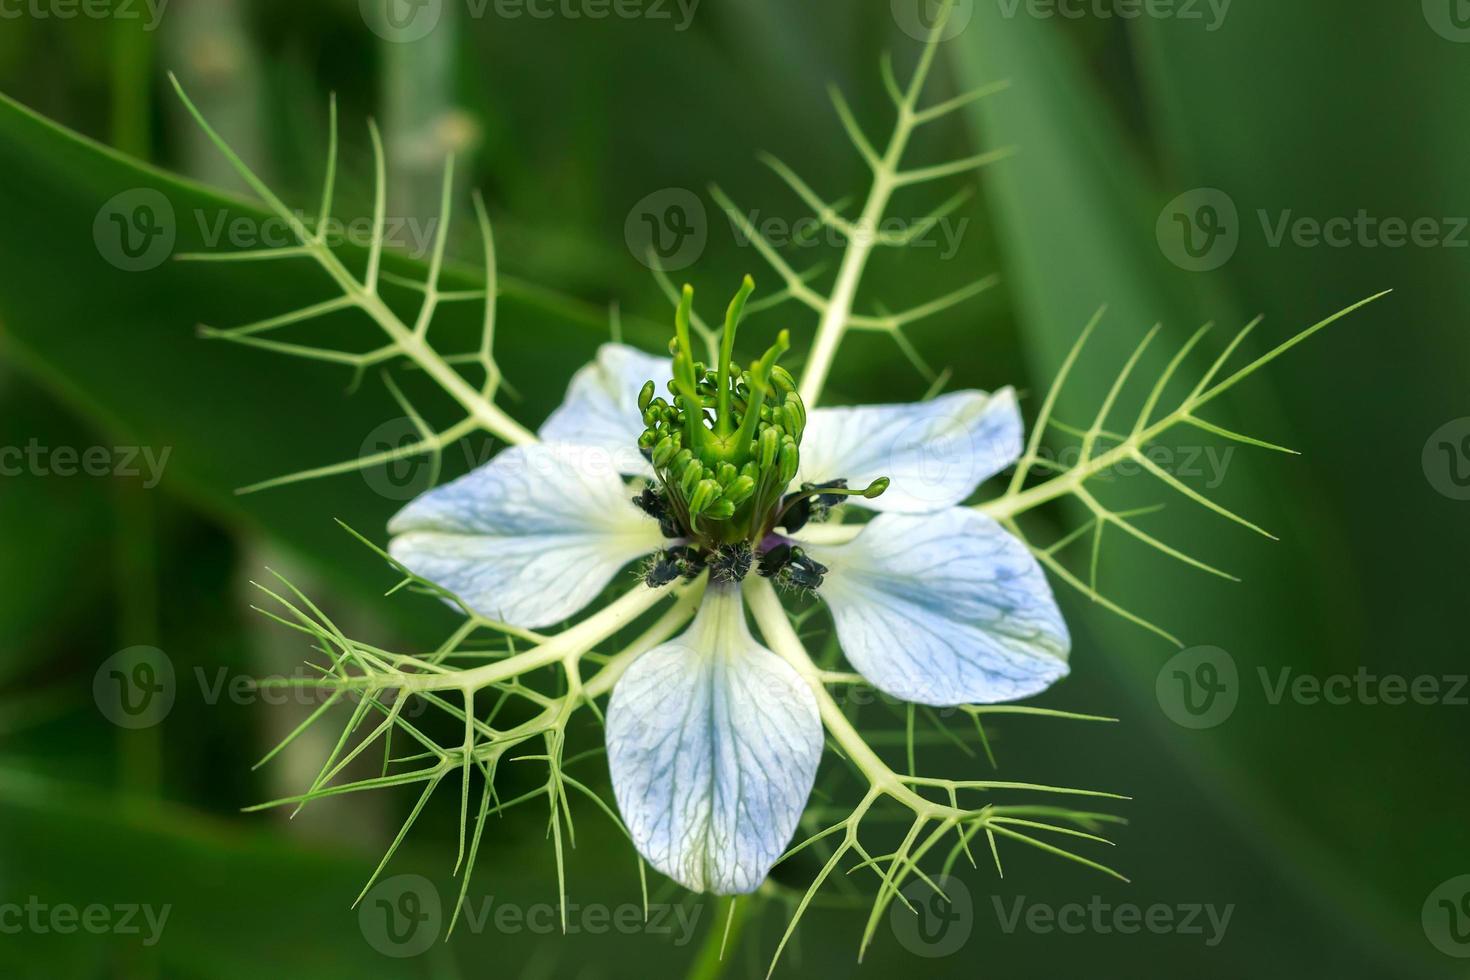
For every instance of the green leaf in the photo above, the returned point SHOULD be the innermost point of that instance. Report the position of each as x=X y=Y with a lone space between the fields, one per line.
x=121 y=346
x=1077 y=216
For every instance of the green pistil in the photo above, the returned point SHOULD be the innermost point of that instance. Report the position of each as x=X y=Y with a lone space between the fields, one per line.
x=726 y=444
x=727 y=352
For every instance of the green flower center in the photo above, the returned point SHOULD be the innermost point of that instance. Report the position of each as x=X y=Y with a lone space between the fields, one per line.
x=725 y=446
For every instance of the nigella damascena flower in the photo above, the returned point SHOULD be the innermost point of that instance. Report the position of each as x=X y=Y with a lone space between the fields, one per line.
x=713 y=740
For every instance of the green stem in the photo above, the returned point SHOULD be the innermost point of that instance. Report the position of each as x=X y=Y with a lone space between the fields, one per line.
x=721 y=939
x=837 y=315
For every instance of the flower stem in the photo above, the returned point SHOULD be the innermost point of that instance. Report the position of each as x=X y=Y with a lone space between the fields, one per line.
x=770 y=615
x=837 y=315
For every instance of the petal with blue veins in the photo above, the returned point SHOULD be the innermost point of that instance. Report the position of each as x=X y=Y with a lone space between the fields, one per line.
x=713 y=744
x=528 y=539
x=944 y=609
x=601 y=407
x=936 y=453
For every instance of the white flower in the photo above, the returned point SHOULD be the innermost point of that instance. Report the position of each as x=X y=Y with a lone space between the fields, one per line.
x=713 y=741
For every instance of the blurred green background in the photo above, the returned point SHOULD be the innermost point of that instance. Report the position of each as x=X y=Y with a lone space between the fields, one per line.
x=1331 y=832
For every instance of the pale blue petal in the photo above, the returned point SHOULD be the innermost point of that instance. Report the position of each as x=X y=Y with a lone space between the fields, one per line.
x=529 y=538
x=713 y=743
x=945 y=609
x=935 y=452
x=601 y=407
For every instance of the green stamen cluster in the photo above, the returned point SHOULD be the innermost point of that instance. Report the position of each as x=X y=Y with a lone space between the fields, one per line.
x=726 y=444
